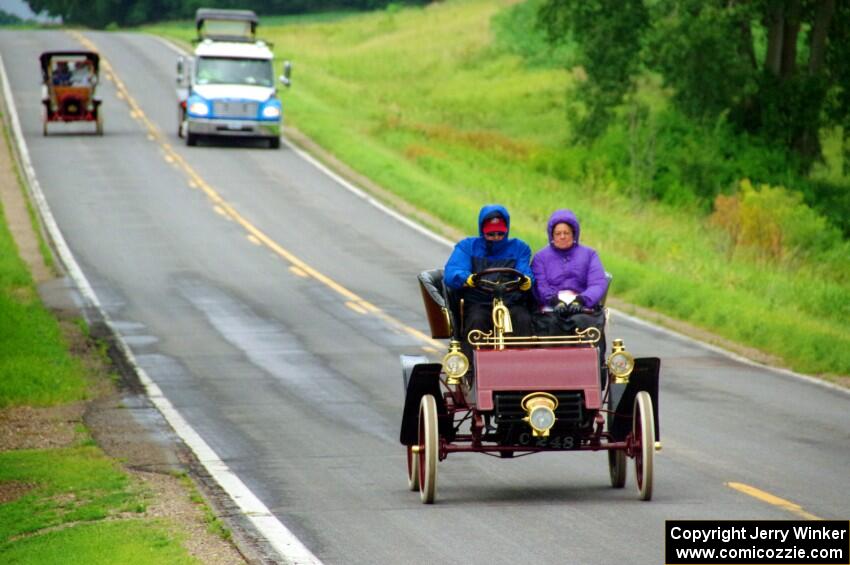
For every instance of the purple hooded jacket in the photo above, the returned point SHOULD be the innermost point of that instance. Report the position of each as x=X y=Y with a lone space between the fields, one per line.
x=577 y=269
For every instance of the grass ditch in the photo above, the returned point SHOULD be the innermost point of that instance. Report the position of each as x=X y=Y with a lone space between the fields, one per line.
x=425 y=103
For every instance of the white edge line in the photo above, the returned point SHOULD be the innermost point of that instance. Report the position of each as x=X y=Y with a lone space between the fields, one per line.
x=278 y=535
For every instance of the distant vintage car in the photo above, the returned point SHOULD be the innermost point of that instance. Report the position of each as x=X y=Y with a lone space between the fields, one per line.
x=69 y=83
x=524 y=394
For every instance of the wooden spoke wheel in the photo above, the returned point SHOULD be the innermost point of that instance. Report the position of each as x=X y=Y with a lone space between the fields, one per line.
x=412 y=468
x=617 y=467
x=643 y=432
x=428 y=449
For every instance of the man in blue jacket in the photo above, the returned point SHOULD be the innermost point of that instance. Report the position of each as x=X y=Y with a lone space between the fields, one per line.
x=492 y=248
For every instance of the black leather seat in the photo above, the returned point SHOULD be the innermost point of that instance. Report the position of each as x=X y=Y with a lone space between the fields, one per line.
x=437 y=296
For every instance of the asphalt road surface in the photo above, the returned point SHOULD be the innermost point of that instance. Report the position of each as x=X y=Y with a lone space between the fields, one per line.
x=270 y=305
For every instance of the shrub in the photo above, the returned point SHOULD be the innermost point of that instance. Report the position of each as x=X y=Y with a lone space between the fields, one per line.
x=775 y=223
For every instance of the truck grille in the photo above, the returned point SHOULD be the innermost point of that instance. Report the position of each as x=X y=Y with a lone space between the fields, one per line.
x=235 y=109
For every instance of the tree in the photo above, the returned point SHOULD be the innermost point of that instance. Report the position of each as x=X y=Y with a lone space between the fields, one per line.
x=779 y=69
x=608 y=34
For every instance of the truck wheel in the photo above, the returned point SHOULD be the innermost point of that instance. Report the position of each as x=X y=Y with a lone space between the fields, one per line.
x=274 y=143
x=191 y=139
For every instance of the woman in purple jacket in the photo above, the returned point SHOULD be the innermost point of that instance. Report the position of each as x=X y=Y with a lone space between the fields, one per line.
x=568 y=277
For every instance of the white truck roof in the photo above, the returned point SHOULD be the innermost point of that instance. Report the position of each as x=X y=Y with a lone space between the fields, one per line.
x=258 y=50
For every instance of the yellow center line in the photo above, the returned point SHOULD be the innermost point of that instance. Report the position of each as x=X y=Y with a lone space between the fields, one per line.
x=774 y=500
x=226 y=209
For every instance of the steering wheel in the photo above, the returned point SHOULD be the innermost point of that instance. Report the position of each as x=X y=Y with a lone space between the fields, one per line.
x=498 y=287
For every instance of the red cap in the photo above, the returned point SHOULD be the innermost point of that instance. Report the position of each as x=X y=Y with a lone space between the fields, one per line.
x=495 y=224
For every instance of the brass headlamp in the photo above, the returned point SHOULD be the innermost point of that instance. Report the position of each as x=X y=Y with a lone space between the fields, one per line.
x=620 y=362
x=540 y=412
x=455 y=363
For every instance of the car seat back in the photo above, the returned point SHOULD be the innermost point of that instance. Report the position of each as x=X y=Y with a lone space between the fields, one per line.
x=436 y=303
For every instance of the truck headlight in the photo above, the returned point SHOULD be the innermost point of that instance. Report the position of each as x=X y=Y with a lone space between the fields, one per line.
x=271 y=112
x=199 y=108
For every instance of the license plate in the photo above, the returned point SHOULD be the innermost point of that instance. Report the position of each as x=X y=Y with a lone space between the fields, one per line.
x=526 y=439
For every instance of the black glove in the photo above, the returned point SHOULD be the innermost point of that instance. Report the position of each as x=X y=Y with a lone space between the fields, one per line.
x=560 y=308
x=575 y=306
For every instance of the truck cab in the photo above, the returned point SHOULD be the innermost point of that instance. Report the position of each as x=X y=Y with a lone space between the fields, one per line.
x=228 y=88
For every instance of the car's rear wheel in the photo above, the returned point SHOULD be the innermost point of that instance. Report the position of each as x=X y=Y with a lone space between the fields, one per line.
x=412 y=468
x=428 y=449
x=191 y=139
x=644 y=438
x=617 y=467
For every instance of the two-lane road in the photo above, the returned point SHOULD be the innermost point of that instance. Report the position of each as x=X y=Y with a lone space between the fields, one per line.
x=270 y=305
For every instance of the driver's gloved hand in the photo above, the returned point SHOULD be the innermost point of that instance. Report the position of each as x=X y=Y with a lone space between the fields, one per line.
x=575 y=306
x=471 y=281
x=560 y=308
x=525 y=284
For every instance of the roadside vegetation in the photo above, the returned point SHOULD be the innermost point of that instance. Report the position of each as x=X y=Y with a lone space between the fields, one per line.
x=462 y=103
x=62 y=499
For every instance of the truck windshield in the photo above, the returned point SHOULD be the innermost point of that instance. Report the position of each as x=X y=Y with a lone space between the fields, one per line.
x=221 y=70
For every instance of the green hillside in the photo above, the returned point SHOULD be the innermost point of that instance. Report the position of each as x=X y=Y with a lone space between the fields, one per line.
x=459 y=104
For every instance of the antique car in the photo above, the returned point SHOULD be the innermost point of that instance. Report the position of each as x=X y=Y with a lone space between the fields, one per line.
x=69 y=81
x=521 y=395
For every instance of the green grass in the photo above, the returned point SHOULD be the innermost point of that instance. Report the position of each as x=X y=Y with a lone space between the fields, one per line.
x=70 y=485
x=426 y=103
x=107 y=543
x=35 y=366
x=79 y=507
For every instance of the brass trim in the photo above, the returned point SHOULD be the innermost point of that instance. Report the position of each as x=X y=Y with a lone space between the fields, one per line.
x=448 y=318
x=502 y=323
x=479 y=339
x=657 y=446
x=415 y=448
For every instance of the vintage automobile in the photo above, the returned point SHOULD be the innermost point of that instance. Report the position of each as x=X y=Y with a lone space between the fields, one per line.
x=68 y=93
x=524 y=394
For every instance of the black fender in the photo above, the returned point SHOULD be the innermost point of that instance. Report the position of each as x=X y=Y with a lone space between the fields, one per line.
x=420 y=379
x=645 y=376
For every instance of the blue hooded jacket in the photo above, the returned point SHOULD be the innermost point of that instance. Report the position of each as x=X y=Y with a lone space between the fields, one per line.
x=474 y=254
x=577 y=269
